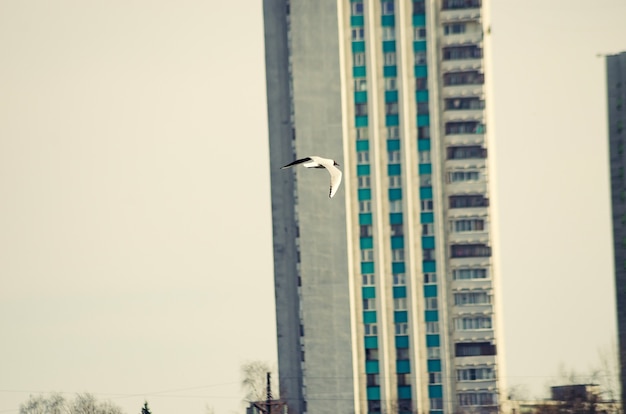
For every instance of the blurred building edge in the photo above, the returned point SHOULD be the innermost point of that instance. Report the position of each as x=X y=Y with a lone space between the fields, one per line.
x=575 y=398
x=261 y=407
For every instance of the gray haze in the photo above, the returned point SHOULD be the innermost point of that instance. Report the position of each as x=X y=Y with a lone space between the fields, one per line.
x=134 y=217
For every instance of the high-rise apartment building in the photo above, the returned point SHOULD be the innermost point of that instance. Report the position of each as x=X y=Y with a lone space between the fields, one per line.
x=385 y=296
x=616 y=87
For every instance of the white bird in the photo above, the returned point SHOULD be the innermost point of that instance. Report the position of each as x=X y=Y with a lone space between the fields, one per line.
x=318 y=162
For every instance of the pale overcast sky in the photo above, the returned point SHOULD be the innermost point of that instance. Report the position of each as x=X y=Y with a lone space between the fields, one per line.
x=135 y=215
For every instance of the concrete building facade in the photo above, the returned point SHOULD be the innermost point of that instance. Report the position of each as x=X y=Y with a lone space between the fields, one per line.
x=386 y=295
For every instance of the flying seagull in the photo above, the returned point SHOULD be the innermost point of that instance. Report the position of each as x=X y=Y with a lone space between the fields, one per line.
x=318 y=162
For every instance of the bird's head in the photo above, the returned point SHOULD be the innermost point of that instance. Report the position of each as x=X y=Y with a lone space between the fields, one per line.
x=335 y=163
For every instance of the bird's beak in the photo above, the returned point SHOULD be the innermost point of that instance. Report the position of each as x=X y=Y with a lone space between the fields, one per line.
x=337 y=164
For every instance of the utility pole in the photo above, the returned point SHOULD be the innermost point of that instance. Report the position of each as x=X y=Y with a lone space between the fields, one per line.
x=268 y=400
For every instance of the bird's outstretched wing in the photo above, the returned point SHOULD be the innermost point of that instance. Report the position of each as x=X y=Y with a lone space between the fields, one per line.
x=335 y=179
x=296 y=162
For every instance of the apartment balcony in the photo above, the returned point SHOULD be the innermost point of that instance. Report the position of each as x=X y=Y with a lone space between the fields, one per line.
x=476 y=385
x=474 y=360
x=475 y=38
x=472 y=163
x=463 y=91
x=470 y=261
x=459 y=15
x=459 y=115
x=469 y=236
x=467 y=187
x=473 y=336
x=454 y=213
x=485 y=309
x=465 y=139
x=471 y=284
x=457 y=65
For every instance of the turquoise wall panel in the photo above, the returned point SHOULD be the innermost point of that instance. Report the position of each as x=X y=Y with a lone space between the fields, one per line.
x=399 y=291
x=388 y=20
x=398 y=267
x=359 y=72
x=400 y=316
x=369 y=316
x=389 y=46
x=365 y=194
x=403 y=366
x=360 y=121
x=371 y=342
x=371 y=367
x=395 y=218
x=427 y=217
x=360 y=96
x=431 y=316
x=391 y=96
x=428 y=242
x=390 y=71
x=419 y=20
x=402 y=341
x=426 y=193
x=397 y=242
x=404 y=392
x=358 y=46
x=365 y=219
x=425 y=168
x=421 y=71
x=423 y=144
x=362 y=145
x=367 y=267
x=429 y=266
x=368 y=292
x=373 y=393
x=394 y=169
x=423 y=120
x=430 y=291
x=419 y=46
x=421 y=96
x=432 y=340
x=363 y=169
x=435 y=391
x=434 y=365
x=395 y=194
x=393 y=144
x=366 y=242
x=356 y=21
x=392 y=120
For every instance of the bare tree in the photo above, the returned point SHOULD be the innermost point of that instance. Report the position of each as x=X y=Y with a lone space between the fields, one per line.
x=254 y=382
x=57 y=404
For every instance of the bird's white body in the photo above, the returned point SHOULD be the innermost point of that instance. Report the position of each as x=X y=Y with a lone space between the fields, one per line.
x=314 y=161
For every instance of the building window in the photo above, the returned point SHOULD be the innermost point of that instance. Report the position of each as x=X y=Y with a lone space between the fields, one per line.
x=395 y=206
x=434 y=377
x=421 y=84
x=360 y=84
x=393 y=132
x=389 y=33
x=470 y=127
x=476 y=374
x=470 y=250
x=399 y=279
x=433 y=352
x=387 y=7
x=463 y=176
x=370 y=329
x=458 y=104
x=397 y=230
x=405 y=406
x=426 y=205
x=428 y=229
x=391 y=108
x=369 y=304
x=420 y=58
x=424 y=157
x=362 y=157
x=418 y=7
x=467 y=225
x=469 y=274
x=430 y=278
x=391 y=84
x=357 y=8
x=362 y=133
x=436 y=403
x=428 y=254
x=358 y=59
x=397 y=255
x=393 y=157
x=368 y=280
x=474 y=349
x=471 y=298
x=432 y=327
x=462 y=52
x=360 y=109
x=402 y=328
x=364 y=181
x=395 y=181
x=468 y=201
x=476 y=398
x=390 y=58
x=463 y=78
x=430 y=303
x=365 y=230
x=426 y=180
x=358 y=33
x=367 y=255
x=373 y=380
x=423 y=108
x=371 y=354
x=473 y=323
x=460 y=4
x=423 y=132
x=404 y=379
x=466 y=152
x=419 y=33
x=454 y=28
x=399 y=304
x=365 y=206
